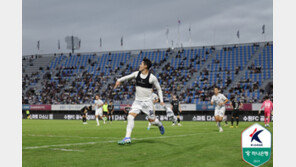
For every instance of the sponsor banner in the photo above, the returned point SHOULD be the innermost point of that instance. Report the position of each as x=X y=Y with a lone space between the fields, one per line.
x=66 y=107
x=40 y=107
x=255 y=118
x=41 y=116
x=256 y=106
x=73 y=107
x=26 y=107
x=205 y=107
x=158 y=107
x=245 y=107
x=184 y=107
x=162 y=117
x=122 y=106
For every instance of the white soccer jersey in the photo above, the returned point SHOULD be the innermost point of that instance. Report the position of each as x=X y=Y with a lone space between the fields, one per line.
x=144 y=94
x=220 y=98
x=98 y=102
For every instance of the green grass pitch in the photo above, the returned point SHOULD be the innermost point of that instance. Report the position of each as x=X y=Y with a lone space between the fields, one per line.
x=69 y=143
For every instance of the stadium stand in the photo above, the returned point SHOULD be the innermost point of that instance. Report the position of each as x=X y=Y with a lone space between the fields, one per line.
x=245 y=70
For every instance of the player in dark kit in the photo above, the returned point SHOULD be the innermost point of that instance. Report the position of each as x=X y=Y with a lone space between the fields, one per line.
x=110 y=111
x=126 y=110
x=84 y=111
x=176 y=109
x=236 y=105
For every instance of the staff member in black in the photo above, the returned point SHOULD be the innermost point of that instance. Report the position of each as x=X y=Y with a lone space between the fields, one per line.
x=110 y=111
x=236 y=105
x=176 y=109
x=84 y=111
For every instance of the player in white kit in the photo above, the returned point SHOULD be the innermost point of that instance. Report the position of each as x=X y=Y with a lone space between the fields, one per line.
x=170 y=114
x=155 y=100
x=143 y=99
x=219 y=100
x=98 y=109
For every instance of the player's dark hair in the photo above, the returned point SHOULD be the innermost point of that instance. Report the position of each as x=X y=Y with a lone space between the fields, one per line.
x=216 y=87
x=147 y=62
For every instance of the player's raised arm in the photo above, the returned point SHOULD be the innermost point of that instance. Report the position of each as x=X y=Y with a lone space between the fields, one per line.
x=159 y=91
x=125 y=78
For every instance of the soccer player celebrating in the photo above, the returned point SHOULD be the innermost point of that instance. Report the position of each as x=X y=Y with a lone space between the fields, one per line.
x=176 y=109
x=84 y=111
x=98 y=108
x=110 y=111
x=219 y=100
x=268 y=109
x=235 y=105
x=143 y=102
x=155 y=100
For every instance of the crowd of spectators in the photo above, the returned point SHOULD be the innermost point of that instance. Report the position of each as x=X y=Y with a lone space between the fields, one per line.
x=64 y=86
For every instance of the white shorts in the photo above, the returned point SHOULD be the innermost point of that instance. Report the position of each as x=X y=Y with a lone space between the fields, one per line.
x=220 y=111
x=99 y=112
x=144 y=106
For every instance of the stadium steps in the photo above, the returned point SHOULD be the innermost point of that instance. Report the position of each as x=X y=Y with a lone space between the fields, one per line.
x=242 y=72
x=37 y=63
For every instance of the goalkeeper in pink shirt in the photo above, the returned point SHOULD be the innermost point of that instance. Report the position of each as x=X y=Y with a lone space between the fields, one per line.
x=268 y=109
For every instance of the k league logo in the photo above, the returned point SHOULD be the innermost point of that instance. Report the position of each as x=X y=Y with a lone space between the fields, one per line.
x=255 y=137
x=256 y=145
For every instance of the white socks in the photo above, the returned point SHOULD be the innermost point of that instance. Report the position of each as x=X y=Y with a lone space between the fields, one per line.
x=130 y=125
x=97 y=119
x=149 y=124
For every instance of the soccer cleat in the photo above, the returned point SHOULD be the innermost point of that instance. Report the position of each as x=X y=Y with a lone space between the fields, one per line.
x=126 y=140
x=98 y=124
x=161 y=129
x=148 y=128
x=173 y=124
x=179 y=124
x=267 y=125
x=236 y=126
x=220 y=130
x=231 y=126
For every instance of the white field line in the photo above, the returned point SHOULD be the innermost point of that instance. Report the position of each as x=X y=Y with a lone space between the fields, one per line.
x=63 y=149
x=33 y=135
x=112 y=141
